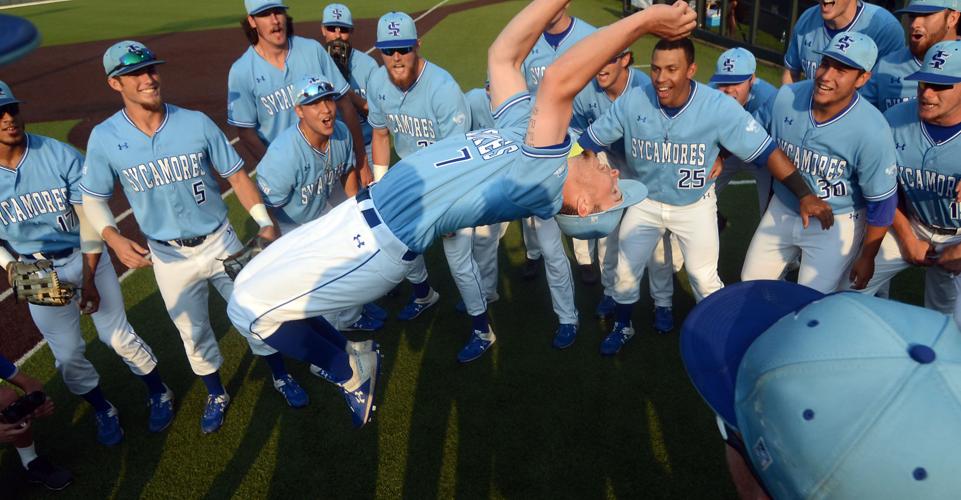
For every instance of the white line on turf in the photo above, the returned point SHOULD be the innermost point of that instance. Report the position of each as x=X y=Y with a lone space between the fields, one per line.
x=432 y=9
x=30 y=4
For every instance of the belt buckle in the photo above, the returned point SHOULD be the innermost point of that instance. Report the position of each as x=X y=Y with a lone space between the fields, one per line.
x=191 y=242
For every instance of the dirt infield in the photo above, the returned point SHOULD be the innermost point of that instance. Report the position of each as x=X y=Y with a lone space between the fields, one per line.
x=67 y=82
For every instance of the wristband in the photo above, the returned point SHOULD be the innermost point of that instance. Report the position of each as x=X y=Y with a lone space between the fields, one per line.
x=379 y=171
x=259 y=213
x=796 y=184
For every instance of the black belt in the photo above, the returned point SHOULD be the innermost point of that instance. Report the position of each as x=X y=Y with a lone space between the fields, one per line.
x=942 y=231
x=186 y=242
x=370 y=216
x=56 y=254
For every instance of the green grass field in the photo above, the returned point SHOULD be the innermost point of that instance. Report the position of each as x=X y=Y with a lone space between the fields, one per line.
x=525 y=421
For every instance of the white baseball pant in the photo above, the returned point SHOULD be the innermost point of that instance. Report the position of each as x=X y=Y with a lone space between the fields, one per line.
x=486 y=241
x=60 y=326
x=531 y=243
x=826 y=256
x=458 y=247
x=558 y=269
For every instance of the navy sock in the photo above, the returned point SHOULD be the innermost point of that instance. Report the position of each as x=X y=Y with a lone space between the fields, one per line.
x=421 y=289
x=214 y=386
x=154 y=384
x=276 y=363
x=479 y=322
x=96 y=399
x=623 y=312
x=308 y=341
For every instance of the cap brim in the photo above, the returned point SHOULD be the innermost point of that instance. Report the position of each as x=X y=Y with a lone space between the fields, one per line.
x=600 y=224
x=396 y=44
x=4 y=102
x=729 y=79
x=841 y=59
x=718 y=331
x=262 y=8
x=20 y=37
x=920 y=9
x=338 y=23
x=134 y=67
x=938 y=79
x=315 y=98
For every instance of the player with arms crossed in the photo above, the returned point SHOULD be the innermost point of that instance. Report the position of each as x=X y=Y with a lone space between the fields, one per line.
x=484 y=177
x=43 y=219
x=842 y=146
x=166 y=158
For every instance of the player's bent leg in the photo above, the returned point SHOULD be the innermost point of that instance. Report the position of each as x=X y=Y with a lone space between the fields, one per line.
x=695 y=227
x=772 y=247
x=486 y=243
x=460 y=260
x=660 y=277
x=558 y=268
x=826 y=256
x=423 y=297
x=887 y=265
x=60 y=327
x=940 y=292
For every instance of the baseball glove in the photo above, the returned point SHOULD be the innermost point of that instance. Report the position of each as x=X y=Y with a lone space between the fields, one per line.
x=339 y=51
x=235 y=263
x=38 y=283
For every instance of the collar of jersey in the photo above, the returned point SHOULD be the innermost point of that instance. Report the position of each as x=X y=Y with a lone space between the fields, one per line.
x=857 y=97
x=857 y=15
x=311 y=146
x=690 y=99
x=22 y=158
x=161 y=127
x=426 y=63
x=924 y=130
x=562 y=40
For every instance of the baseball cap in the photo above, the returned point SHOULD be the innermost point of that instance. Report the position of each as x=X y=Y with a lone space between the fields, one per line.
x=928 y=6
x=854 y=49
x=942 y=64
x=396 y=30
x=255 y=7
x=126 y=57
x=312 y=89
x=337 y=14
x=6 y=95
x=734 y=66
x=20 y=37
x=842 y=396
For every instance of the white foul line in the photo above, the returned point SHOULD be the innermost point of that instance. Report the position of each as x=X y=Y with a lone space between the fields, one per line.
x=432 y=9
x=41 y=2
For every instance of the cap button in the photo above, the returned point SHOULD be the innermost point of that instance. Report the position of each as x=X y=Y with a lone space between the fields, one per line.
x=921 y=353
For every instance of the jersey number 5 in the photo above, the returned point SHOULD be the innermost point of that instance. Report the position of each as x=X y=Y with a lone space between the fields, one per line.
x=200 y=193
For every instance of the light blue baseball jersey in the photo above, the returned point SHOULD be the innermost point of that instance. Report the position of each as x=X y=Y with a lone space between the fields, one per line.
x=362 y=68
x=927 y=172
x=261 y=96
x=479 y=103
x=760 y=103
x=168 y=178
x=810 y=35
x=433 y=108
x=673 y=156
x=846 y=160
x=543 y=54
x=592 y=102
x=480 y=178
x=887 y=85
x=297 y=179
x=36 y=197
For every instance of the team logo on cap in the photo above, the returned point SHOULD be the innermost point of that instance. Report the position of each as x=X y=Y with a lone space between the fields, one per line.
x=844 y=43
x=728 y=64
x=2 y=92
x=394 y=28
x=939 y=58
x=337 y=13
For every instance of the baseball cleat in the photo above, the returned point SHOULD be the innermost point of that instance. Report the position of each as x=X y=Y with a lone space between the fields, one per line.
x=360 y=400
x=292 y=392
x=364 y=324
x=109 y=432
x=161 y=407
x=476 y=346
x=619 y=336
x=375 y=311
x=663 y=319
x=53 y=477
x=416 y=306
x=565 y=335
x=355 y=348
x=213 y=416
x=605 y=307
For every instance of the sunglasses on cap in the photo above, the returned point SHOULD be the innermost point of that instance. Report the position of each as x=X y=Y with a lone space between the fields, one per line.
x=317 y=88
x=402 y=51
x=134 y=56
x=338 y=29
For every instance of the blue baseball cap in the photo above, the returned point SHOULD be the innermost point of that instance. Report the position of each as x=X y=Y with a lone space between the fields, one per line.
x=734 y=66
x=128 y=56
x=6 y=95
x=337 y=14
x=20 y=37
x=396 y=30
x=842 y=396
x=311 y=89
x=853 y=49
x=928 y=6
x=255 y=7
x=942 y=64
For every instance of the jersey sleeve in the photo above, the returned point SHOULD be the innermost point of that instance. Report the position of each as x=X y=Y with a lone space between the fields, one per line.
x=96 y=177
x=275 y=177
x=870 y=90
x=609 y=127
x=73 y=174
x=375 y=114
x=222 y=155
x=792 y=57
x=890 y=36
x=739 y=132
x=450 y=107
x=331 y=71
x=579 y=122
x=877 y=164
x=515 y=111
x=241 y=106
x=348 y=146
x=7 y=369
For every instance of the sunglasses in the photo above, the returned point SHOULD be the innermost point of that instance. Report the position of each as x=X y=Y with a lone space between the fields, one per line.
x=617 y=57
x=135 y=55
x=13 y=109
x=317 y=88
x=338 y=29
x=402 y=51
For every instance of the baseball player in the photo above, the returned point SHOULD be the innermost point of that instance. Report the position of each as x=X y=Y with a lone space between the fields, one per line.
x=416 y=103
x=42 y=218
x=842 y=146
x=929 y=22
x=927 y=225
x=828 y=396
x=166 y=159
x=483 y=177
x=820 y=23
x=261 y=82
x=673 y=131
x=38 y=469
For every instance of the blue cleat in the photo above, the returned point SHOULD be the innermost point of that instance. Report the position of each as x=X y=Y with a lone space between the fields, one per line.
x=293 y=393
x=565 y=335
x=360 y=399
x=109 y=432
x=416 y=306
x=161 y=410
x=375 y=311
x=606 y=307
x=364 y=324
x=213 y=416
x=476 y=346
x=663 y=319
x=619 y=336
